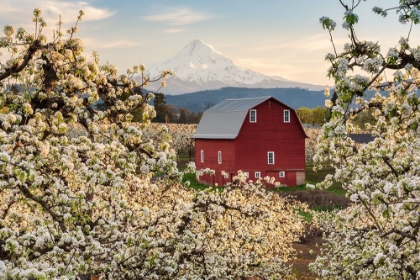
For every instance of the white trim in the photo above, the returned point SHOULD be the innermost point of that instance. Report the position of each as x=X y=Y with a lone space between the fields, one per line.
x=246 y=174
x=282 y=174
x=226 y=175
x=253 y=117
x=286 y=116
x=219 y=157
x=257 y=174
x=270 y=159
x=202 y=155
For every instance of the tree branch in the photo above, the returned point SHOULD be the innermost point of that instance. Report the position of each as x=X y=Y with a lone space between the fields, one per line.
x=17 y=68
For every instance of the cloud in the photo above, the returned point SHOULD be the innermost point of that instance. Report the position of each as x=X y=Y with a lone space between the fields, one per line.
x=180 y=16
x=174 y=30
x=11 y=10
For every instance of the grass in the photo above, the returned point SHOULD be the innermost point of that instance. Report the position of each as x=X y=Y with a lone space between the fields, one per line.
x=313 y=177
x=322 y=208
x=292 y=189
x=183 y=159
x=193 y=182
x=307 y=217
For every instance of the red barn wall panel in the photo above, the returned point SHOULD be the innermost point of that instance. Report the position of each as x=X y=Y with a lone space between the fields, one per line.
x=211 y=147
x=271 y=133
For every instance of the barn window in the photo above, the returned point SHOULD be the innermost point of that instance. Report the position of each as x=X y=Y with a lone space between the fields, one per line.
x=286 y=116
x=246 y=174
x=270 y=157
x=253 y=115
x=257 y=174
x=219 y=157
x=202 y=155
x=226 y=175
x=281 y=174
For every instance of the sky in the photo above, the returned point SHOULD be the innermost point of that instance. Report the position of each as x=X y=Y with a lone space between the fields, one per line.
x=274 y=37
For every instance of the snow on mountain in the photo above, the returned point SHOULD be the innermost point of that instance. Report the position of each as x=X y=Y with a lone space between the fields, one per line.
x=200 y=66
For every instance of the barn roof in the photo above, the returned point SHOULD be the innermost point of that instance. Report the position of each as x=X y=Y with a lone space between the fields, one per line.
x=225 y=119
x=238 y=105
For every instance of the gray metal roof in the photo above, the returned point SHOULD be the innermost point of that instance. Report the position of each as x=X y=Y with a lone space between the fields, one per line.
x=361 y=138
x=239 y=104
x=224 y=120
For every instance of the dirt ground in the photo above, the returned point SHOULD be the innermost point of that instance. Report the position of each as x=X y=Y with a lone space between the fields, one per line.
x=304 y=258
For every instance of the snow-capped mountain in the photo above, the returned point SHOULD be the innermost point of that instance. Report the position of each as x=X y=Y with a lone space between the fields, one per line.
x=200 y=66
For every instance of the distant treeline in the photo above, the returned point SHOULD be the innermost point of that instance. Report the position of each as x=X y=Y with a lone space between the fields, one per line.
x=168 y=113
x=188 y=108
x=200 y=101
x=318 y=115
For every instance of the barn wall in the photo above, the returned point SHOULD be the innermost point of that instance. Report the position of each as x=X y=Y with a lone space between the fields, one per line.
x=211 y=148
x=271 y=133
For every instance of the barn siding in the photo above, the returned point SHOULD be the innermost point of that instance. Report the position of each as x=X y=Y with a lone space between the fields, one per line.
x=211 y=148
x=271 y=133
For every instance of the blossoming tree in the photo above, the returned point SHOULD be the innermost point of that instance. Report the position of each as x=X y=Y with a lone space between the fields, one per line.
x=378 y=237
x=82 y=205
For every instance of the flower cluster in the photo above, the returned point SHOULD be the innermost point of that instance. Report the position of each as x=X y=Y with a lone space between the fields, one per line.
x=378 y=236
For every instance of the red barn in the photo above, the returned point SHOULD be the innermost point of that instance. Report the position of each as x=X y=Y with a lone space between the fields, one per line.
x=260 y=136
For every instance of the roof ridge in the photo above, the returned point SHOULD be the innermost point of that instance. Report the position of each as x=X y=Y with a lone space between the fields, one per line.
x=248 y=98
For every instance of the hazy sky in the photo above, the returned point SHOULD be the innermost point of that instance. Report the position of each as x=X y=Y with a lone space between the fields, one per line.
x=274 y=37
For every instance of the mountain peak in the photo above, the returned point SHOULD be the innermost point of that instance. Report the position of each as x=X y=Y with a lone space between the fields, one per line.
x=197 y=46
x=200 y=66
x=195 y=42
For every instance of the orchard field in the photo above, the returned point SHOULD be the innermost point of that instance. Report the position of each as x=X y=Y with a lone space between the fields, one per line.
x=321 y=201
x=80 y=197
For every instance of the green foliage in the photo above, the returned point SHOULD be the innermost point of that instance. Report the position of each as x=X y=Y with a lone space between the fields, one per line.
x=318 y=115
x=363 y=119
x=327 y=23
x=193 y=183
x=306 y=216
x=160 y=108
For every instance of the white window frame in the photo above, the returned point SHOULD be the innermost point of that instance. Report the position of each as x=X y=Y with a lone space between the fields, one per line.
x=253 y=117
x=268 y=157
x=202 y=155
x=282 y=174
x=226 y=175
x=257 y=174
x=219 y=157
x=286 y=116
x=246 y=174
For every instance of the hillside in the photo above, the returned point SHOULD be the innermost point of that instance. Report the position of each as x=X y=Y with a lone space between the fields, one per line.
x=293 y=97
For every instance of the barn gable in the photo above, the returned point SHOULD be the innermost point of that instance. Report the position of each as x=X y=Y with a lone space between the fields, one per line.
x=224 y=120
